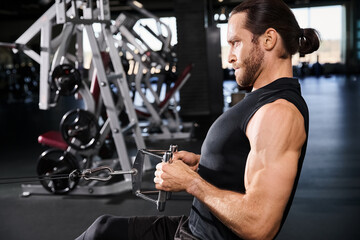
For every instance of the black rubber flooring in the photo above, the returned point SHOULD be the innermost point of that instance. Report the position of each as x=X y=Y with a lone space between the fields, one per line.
x=326 y=205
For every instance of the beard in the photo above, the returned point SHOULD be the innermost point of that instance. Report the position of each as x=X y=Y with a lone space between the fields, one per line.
x=250 y=67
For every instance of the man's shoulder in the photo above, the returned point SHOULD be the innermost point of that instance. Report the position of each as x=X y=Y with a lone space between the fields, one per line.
x=280 y=109
x=278 y=116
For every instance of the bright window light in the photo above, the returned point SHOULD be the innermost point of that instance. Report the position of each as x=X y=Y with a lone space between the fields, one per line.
x=151 y=41
x=329 y=22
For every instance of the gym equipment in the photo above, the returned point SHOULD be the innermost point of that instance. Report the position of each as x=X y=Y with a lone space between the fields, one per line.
x=57 y=162
x=137 y=179
x=66 y=79
x=81 y=134
x=163 y=121
x=59 y=173
x=80 y=129
x=135 y=172
x=109 y=113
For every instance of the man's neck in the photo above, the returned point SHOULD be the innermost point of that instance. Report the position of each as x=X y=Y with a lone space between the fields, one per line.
x=273 y=70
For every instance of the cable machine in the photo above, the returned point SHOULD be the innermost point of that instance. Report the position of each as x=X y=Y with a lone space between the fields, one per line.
x=81 y=134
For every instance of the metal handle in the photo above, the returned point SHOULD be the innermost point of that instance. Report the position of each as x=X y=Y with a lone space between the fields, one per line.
x=163 y=195
x=104 y=173
x=172 y=149
x=160 y=204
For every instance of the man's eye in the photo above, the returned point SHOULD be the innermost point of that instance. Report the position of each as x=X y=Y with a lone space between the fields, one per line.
x=237 y=43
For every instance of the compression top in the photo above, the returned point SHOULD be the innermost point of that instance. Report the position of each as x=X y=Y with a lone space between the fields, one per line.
x=226 y=148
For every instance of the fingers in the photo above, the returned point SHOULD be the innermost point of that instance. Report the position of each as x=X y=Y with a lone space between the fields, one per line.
x=159 y=166
x=161 y=187
x=167 y=176
x=179 y=155
x=159 y=183
x=158 y=174
x=158 y=180
x=189 y=158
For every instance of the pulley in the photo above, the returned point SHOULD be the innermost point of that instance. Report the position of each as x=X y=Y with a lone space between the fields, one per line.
x=80 y=129
x=52 y=166
x=66 y=79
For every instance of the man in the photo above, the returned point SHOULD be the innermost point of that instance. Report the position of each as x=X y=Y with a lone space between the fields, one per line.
x=245 y=179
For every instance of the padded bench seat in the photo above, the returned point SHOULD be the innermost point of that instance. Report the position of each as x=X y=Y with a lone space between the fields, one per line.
x=53 y=139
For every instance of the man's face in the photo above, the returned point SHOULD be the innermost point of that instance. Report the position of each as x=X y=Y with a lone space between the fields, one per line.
x=245 y=55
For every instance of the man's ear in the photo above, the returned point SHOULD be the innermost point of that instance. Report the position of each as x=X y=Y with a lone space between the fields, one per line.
x=270 y=38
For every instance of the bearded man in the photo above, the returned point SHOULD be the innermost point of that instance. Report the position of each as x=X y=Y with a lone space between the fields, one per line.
x=245 y=179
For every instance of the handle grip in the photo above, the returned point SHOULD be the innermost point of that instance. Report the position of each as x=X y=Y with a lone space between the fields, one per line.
x=163 y=195
x=165 y=156
x=161 y=201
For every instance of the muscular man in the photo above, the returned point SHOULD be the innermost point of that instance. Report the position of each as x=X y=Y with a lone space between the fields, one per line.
x=245 y=179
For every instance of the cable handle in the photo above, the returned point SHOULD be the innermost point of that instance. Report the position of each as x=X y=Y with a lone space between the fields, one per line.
x=172 y=149
x=105 y=173
x=163 y=195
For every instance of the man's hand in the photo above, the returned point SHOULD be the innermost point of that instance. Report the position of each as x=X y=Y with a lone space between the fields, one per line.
x=191 y=159
x=175 y=176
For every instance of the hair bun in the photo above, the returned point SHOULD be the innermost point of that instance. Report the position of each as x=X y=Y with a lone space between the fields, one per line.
x=309 y=40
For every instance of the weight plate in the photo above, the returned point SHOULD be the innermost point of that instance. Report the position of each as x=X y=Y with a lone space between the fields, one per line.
x=80 y=129
x=66 y=79
x=52 y=168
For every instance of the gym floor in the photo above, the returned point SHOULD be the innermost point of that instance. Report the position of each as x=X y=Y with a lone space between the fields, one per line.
x=326 y=205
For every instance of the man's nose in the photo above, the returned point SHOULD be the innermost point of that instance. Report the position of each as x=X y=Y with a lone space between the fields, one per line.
x=231 y=58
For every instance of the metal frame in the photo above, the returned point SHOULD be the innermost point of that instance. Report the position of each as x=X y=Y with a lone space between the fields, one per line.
x=169 y=124
x=99 y=13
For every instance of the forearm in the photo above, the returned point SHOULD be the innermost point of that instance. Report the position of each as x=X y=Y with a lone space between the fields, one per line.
x=251 y=216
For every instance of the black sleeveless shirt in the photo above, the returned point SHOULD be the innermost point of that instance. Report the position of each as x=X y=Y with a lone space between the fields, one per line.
x=226 y=148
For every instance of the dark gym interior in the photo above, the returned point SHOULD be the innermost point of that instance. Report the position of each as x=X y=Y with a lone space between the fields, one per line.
x=327 y=200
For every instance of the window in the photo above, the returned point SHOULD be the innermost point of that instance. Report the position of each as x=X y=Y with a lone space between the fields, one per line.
x=154 y=43
x=151 y=41
x=329 y=22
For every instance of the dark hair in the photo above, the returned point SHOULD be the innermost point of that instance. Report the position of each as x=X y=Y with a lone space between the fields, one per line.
x=264 y=14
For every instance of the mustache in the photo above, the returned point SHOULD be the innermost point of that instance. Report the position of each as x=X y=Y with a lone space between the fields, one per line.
x=236 y=66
